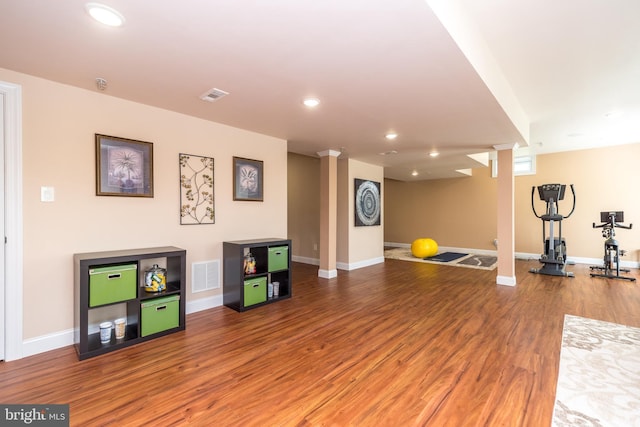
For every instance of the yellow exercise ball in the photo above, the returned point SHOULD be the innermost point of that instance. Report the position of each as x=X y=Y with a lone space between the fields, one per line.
x=423 y=248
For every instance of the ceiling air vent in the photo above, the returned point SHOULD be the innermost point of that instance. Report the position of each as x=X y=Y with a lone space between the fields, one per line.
x=213 y=95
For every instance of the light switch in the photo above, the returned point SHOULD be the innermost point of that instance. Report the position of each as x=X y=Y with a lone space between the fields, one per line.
x=47 y=194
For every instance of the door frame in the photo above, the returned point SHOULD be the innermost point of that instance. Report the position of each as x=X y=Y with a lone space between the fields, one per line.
x=13 y=285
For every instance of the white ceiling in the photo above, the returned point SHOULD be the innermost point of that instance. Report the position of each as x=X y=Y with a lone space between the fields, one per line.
x=456 y=76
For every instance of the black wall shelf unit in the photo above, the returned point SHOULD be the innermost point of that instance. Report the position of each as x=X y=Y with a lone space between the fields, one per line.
x=272 y=257
x=108 y=302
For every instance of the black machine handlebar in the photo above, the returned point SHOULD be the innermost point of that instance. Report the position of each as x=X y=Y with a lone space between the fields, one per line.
x=533 y=206
x=573 y=208
x=611 y=220
x=558 y=191
x=615 y=224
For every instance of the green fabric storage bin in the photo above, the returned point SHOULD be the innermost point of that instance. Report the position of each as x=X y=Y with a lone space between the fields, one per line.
x=159 y=314
x=278 y=258
x=113 y=283
x=255 y=291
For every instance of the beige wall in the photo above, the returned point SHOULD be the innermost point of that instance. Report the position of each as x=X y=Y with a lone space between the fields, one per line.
x=604 y=179
x=303 y=219
x=457 y=212
x=59 y=123
x=461 y=212
x=354 y=244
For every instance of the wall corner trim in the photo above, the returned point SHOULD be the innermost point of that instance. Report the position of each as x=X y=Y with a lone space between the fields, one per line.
x=506 y=280
x=327 y=274
x=508 y=146
x=326 y=153
x=14 y=300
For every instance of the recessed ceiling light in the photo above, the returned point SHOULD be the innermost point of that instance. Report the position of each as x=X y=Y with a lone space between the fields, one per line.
x=391 y=136
x=434 y=154
x=105 y=14
x=414 y=173
x=311 y=102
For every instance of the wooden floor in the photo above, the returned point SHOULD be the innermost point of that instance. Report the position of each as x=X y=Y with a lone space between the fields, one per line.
x=396 y=344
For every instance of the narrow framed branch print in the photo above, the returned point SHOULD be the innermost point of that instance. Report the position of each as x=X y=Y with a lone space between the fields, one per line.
x=196 y=190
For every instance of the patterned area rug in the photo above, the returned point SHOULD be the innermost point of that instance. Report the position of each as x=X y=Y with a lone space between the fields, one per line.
x=483 y=262
x=599 y=376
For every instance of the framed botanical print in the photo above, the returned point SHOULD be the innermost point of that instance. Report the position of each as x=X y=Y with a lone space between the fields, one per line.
x=248 y=177
x=124 y=167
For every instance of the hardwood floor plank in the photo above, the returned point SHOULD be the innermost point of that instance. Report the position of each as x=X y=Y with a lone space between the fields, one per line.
x=395 y=344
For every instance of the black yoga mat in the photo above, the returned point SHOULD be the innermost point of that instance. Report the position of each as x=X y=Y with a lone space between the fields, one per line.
x=446 y=257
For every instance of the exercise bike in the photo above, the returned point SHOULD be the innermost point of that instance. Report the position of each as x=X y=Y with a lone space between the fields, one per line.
x=554 y=257
x=612 y=252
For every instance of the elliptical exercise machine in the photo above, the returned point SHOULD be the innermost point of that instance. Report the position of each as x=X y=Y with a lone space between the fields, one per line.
x=554 y=257
x=612 y=251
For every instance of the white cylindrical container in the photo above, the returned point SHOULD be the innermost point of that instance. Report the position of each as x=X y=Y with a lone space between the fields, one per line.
x=120 y=326
x=105 y=332
x=270 y=290
x=276 y=289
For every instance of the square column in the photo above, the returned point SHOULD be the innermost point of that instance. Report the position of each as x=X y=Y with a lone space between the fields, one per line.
x=328 y=213
x=506 y=235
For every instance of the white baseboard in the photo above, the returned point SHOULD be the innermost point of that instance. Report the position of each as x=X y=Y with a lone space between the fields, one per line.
x=340 y=265
x=600 y=261
x=397 y=245
x=55 y=340
x=520 y=255
x=492 y=252
x=446 y=249
x=327 y=274
x=47 y=342
x=360 y=264
x=203 y=304
x=579 y=260
x=506 y=280
x=305 y=260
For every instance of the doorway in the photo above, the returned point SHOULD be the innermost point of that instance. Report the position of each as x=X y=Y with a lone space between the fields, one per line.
x=11 y=221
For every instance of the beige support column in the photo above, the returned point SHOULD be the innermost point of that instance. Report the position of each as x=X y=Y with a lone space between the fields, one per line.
x=506 y=236
x=328 y=213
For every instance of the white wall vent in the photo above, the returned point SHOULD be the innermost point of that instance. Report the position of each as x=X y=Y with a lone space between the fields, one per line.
x=213 y=95
x=205 y=276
